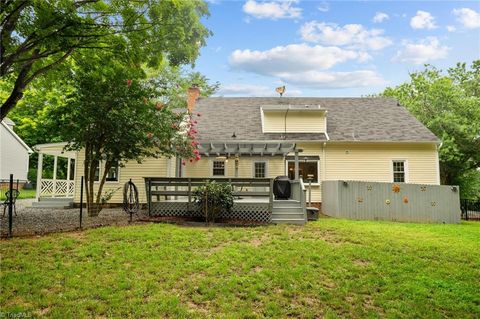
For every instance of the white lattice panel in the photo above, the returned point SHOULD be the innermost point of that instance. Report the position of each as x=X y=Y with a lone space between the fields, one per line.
x=46 y=187
x=58 y=188
x=71 y=188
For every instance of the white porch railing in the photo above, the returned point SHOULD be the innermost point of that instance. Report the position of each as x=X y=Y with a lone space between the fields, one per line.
x=56 y=188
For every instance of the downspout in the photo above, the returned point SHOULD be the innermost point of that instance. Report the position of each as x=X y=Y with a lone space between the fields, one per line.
x=439 y=181
x=324 y=161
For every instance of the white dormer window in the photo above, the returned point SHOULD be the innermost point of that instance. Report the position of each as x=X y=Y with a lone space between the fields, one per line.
x=293 y=119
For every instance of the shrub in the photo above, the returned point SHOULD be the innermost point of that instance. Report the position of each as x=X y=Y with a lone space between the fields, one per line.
x=213 y=197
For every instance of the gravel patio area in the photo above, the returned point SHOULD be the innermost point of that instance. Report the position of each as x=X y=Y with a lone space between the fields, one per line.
x=31 y=221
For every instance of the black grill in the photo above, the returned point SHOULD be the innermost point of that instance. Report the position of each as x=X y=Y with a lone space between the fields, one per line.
x=281 y=187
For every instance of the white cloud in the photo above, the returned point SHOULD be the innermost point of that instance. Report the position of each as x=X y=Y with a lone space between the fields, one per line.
x=380 y=17
x=451 y=28
x=330 y=80
x=467 y=17
x=351 y=35
x=240 y=89
x=293 y=58
x=324 y=7
x=273 y=10
x=304 y=65
x=424 y=51
x=423 y=20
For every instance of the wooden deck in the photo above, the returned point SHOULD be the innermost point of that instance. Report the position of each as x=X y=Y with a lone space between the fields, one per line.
x=174 y=197
x=168 y=196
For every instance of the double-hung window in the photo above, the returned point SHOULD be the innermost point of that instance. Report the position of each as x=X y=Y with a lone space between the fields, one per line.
x=399 y=171
x=259 y=169
x=218 y=168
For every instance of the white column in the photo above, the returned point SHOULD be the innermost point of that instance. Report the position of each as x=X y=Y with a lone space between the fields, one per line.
x=68 y=177
x=68 y=169
x=39 y=175
x=55 y=161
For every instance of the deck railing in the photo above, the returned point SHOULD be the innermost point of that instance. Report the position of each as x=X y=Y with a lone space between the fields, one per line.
x=173 y=196
x=56 y=188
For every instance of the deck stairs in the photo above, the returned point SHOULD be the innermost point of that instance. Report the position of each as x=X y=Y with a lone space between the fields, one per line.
x=288 y=211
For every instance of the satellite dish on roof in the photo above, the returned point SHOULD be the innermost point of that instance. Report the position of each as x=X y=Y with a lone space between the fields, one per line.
x=280 y=90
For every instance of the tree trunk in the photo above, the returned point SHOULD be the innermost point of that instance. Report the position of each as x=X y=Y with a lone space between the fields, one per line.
x=91 y=207
x=98 y=205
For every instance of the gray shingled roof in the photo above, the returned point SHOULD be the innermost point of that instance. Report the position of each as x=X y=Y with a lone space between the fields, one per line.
x=348 y=119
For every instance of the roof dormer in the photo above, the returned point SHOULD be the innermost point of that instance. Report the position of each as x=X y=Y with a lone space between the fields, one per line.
x=293 y=119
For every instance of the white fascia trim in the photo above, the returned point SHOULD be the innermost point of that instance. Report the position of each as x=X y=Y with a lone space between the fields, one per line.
x=262 y=120
x=29 y=150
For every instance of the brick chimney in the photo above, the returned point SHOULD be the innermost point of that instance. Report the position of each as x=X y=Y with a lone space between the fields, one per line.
x=193 y=95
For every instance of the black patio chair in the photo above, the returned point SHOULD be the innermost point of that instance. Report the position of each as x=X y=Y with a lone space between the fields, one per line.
x=14 y=201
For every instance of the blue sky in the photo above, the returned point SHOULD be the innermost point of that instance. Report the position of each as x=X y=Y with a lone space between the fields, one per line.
x=333 y=48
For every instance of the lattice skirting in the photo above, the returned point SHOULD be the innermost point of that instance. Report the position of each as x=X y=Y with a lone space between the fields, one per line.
x=243 y=211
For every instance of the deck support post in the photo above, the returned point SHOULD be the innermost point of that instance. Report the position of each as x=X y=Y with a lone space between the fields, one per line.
x=297 y=174
x=189 y=194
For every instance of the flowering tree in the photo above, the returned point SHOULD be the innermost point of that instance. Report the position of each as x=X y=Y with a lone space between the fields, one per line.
x=114 y=115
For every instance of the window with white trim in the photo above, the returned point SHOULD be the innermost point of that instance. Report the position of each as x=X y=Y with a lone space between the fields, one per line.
x=259 y=169
x=218 y=168
x=399 y=170
x=112 y=174
x=306 y=169
x=97 y=174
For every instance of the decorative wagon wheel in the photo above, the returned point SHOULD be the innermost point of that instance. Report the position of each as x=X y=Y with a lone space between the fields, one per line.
x=131 y=203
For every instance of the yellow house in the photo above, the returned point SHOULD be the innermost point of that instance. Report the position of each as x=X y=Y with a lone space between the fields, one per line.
x=361 y=139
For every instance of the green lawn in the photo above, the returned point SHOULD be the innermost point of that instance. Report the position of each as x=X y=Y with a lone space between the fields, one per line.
x=24 y=193
x=330 y=268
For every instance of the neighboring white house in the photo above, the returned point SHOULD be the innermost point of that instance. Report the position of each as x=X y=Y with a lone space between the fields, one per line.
x=14 y=153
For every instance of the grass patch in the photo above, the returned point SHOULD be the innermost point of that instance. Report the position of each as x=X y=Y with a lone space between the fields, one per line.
x=330 y=268
x=24 y=193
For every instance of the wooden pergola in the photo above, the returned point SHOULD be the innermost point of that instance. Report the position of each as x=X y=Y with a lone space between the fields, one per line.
x=249 y=148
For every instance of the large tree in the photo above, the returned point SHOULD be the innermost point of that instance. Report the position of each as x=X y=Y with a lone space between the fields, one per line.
x=115 y=115
x=448 y=103
x=37 y=36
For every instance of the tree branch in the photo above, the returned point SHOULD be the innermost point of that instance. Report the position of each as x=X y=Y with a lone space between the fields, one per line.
x=17 y=91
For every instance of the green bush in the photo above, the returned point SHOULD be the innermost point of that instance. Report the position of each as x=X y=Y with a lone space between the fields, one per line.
x=214 y=197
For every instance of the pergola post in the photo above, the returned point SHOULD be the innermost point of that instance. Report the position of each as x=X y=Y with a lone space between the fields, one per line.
x=55 y=162
x=39 y=175
x=297 y=174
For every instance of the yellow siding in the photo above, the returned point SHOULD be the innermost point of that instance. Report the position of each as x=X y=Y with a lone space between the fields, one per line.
x=343 y=161
x=275 y=166
x=151 y=167
x=297 y=122
x=373 y=162
x=203 y=168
